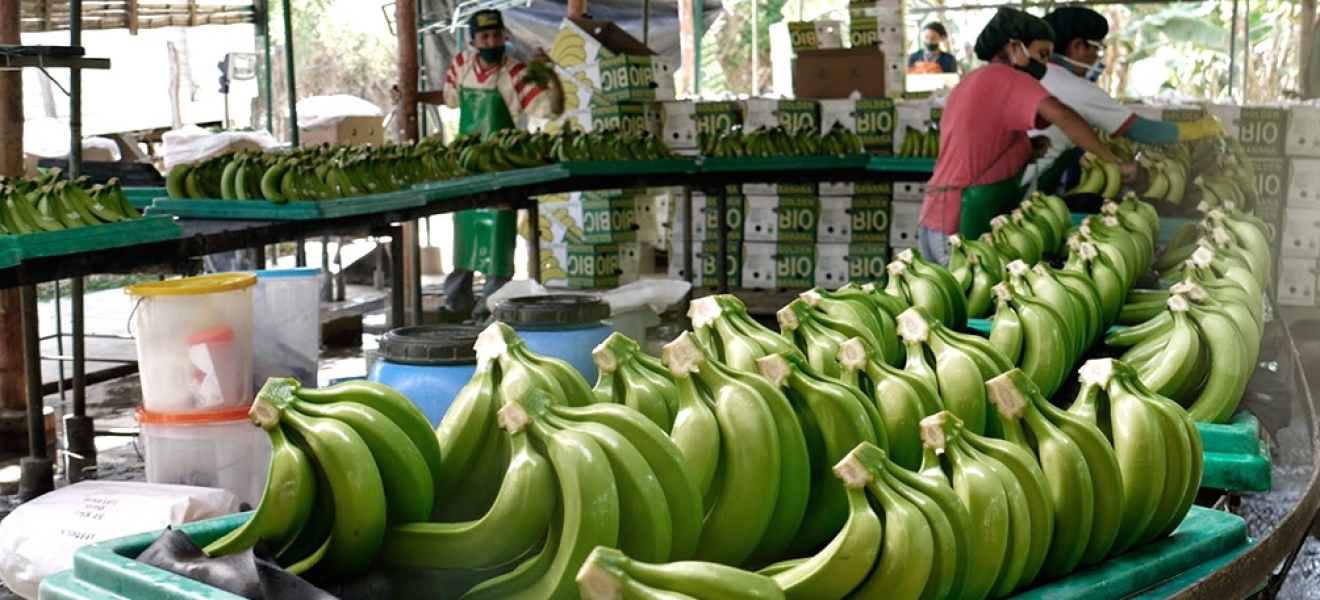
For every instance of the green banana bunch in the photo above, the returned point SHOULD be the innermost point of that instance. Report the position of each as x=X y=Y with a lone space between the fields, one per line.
x=1155 y=442
x=759 y=491
x=841 y=565
x=1171 y=360
x=924 y=551
x=1002 y=539
x=920 y=267
x=1116 y=244
x=1166 y=178
x=1038 y=332
x=609 y=574
x=284 y=506
x=918 y=143
x=817 y=335
x=902 y=398
x=961 y=364
x=1051 y=217
x=628 y=379
x=589 y=511
x=47 y=203
x=849 y=304
x=1079 y=466
x=919 y=287
x=500 y=344
x=834 y=418
x=1015 y=241
x=1249 y=234
x=517 y=521
x=1099 y=177
x=683 y=499
x=1089 y=262
x=374 y=459
x=721 y=324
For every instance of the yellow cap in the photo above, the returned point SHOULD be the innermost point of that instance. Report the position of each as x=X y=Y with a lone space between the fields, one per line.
x=194 y=286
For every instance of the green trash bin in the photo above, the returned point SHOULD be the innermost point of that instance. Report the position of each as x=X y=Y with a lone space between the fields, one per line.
x=484 y=240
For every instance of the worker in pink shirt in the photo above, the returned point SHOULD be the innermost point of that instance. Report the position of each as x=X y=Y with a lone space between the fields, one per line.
x=984 y=146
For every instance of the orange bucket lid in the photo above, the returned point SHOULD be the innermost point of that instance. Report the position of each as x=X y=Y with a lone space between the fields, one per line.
x=192 y=418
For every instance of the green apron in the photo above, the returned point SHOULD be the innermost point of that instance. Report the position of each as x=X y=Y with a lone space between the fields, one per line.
x=1049 y=181
x=980 y=203
x=484 y=238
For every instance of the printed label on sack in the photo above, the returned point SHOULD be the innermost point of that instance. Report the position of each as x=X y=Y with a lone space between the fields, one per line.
x=875 y=119
x=710 y=256
x=870 y=219
x=797 y=218
x=1272 y=187
x=795 y=266
x=717 y=117
x=593 y=265
x=609 y=220
x=867 y=262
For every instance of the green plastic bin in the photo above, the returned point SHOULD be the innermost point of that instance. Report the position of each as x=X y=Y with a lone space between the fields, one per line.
x=484 y=241
x=107 y=571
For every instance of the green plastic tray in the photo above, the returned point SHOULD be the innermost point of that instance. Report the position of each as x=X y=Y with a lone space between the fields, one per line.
x=1241 y=435
x=262 y=210
x=141 y=197
x=892 y=164
x=1239 y=472
x=784 y=163
x=107 y=570
x=630 y=167
x=454 y=188
x=10 y=254
x=1203 y=536
x=96 y=237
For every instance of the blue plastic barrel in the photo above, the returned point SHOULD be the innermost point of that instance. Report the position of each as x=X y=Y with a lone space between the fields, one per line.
x=564 y=326
x=429 y=364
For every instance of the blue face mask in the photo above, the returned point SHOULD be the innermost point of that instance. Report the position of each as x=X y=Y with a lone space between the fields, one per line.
x=1093 y=71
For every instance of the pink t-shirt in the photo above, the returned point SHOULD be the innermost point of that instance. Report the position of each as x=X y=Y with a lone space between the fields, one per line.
x=986 y=116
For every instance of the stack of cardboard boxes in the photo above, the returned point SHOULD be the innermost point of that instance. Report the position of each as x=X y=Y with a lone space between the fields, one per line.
x=600 y=238
x=611 y=80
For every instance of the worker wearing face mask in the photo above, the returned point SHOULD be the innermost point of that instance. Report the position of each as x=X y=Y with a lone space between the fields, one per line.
x=983 y=133
x=1076 y=65
x=931 y=58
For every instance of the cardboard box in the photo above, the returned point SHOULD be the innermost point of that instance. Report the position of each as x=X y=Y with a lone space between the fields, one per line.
x=609 y=217
x=783 y=266
x=579 y=89
x=795 y=116
x=868 y=262
x=579 y=120
x=710 y=264
x=909 y=191
x=1228 y=117
x=352 y=131
x=814 y=35
x=832 y=268
x=903 y=222
x=632 y=118
x=870 y=219
x=679 y=125
x=649 y=207
x=1301 y=233
x=823 y=74
x=631 y=78
x=874 y=119
x=580 y=266
x=707 y=218
x=1263 y=131
x=585 y=41
x=1303 y=183
x=835 y=226
x=876 y=26
x=780 y=189
x=1297 y=282
x=856 y=188
x=718 y=117
x=1272 y=187
x=1303 y=137
x=782 y=219
x=559 y=218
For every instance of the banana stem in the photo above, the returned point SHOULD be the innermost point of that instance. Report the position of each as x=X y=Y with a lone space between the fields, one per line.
x=1097 y=372
x=775 y=369
x=597 y=581
x=852 y=471
x=264 y=414
x=682 y=355
x=939 y=430
x=852 y=355
x=912 y=326
x=1008 y=395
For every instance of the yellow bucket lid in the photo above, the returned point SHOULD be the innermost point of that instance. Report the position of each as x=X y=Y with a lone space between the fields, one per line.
x=194 y=286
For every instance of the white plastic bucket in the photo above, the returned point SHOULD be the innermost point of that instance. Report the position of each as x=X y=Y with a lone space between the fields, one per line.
x=194 y=342
x=287 y=313
x=220 y=449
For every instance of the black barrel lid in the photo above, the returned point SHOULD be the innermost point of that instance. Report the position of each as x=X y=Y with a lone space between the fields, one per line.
x=553 y=309
x=430 y=345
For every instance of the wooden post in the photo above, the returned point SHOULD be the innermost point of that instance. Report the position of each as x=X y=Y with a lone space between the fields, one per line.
x=13 y=388
x=1307 y=38
x=687 y=45
x=577 y=9
x=408 y=282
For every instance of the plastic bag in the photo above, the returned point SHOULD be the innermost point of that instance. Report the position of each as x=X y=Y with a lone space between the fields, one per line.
x=327 y=110
x=191 y=144
x=45 y=137
x=39 y=538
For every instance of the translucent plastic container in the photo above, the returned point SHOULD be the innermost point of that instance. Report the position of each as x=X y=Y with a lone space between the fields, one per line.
x=194 y=342
x=220 y=449
x=287 y=325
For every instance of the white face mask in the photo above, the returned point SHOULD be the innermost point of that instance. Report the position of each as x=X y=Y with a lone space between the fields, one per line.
x=1093 y=71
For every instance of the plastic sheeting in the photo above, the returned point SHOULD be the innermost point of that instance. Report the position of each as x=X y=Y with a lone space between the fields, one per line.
x=535 y=26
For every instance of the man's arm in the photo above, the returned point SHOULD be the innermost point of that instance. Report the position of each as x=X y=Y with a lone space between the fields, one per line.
x=1075 y=127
